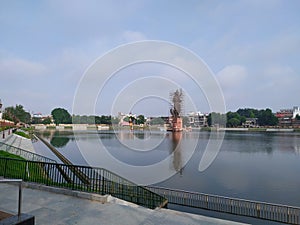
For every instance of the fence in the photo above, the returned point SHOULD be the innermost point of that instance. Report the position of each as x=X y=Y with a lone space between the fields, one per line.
x=261 y=210
x=96 y=180
x=24 y=153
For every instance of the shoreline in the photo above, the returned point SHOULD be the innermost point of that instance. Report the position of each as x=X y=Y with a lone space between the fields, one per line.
x=71 y=128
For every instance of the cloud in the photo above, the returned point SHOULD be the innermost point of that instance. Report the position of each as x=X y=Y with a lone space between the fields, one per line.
x=130 y=36
x=14 y=68
x=232 y=76
x=280 y=76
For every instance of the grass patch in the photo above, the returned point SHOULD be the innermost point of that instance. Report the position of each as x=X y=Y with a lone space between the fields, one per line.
x=22 y=134
x=51 y=127
x=14 y=166
x=28 y=129
x=5 y=154
x=205 y=129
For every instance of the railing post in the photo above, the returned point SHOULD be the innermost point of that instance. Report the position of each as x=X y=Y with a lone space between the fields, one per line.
x=288 y=215
x=25 y=171
x=20 y=200
x=258 y=210
x=206 y=198
x=102 y=182
x=5 y=167
x=73 y=181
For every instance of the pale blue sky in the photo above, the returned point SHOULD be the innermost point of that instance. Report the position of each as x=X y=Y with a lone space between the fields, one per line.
x=252 y=47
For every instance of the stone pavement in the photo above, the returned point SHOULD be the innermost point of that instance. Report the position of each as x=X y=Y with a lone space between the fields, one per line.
x=59 y=209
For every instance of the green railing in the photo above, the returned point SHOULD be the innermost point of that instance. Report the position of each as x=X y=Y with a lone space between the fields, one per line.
x=87 y=179
x=24 y=153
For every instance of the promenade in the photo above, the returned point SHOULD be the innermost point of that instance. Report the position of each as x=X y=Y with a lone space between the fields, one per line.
x=53 y=208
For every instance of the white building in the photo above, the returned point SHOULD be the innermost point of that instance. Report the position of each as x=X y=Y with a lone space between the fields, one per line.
x=197 y=119
x=122 y=116
x=296 y=111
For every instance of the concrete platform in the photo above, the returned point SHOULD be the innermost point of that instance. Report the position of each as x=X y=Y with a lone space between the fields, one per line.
x=54 y=208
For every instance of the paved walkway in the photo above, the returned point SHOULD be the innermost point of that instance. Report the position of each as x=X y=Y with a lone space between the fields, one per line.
x=19 y=142
x=51 y=208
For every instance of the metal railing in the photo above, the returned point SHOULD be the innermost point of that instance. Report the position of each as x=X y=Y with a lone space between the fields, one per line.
x=95 y=180
x=24 y=153
x=19 y=181
x=242 y=207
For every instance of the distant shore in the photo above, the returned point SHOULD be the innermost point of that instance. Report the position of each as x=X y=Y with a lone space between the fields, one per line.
x=82 y=127
x=258 y=129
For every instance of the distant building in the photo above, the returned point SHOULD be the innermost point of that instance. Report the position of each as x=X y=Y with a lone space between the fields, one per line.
x=296 y=111
x=250 y=123
x=37 y=118
x=197 y=119
x=122 y=117
x=284 y=117
x=287 y=117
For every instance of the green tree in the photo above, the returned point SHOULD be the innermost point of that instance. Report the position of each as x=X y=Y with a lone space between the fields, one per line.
x=126 y=119
x=234 y=119
x=140 y=119
x=267 y=118
x=36 y=120
x=17 y=114
x=97 y=120
x=61 y=115
x=91 y=120
x=185 y=121
x=248 y=113
x=233 y=122
x=214 y=119
x=76 y=119
x=157 y=121
x=105 y=120
x=115 y=120
x=47 y=120
x=298 y=117
x=84 y=119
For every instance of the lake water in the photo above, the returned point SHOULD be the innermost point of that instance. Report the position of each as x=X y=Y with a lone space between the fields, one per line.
x=262 y=166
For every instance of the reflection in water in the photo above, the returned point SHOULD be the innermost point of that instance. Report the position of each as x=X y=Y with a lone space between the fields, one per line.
x=57 y=138
x=176 y=148
x=59 y=141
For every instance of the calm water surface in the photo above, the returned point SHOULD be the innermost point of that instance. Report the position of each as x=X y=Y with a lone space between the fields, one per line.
x=259 y=166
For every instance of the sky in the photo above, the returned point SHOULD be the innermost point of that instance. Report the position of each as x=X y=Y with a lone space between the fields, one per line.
x=251 y=47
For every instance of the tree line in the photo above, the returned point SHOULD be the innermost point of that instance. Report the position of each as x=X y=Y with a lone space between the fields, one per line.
x=62 y=116
x=16 y=114
x=265 y=117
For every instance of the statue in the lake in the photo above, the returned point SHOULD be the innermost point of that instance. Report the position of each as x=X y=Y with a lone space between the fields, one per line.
x=177 y=100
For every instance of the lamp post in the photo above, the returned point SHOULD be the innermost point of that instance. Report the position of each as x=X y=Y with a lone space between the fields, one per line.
x=0 y=110
x=3 y=135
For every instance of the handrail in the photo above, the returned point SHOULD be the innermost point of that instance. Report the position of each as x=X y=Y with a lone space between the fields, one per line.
x=20 y=192
x=26 y=154
x=243 y=207
x=100 y=181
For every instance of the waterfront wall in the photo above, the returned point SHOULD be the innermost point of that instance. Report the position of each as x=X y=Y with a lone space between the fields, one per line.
x=71 y=127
